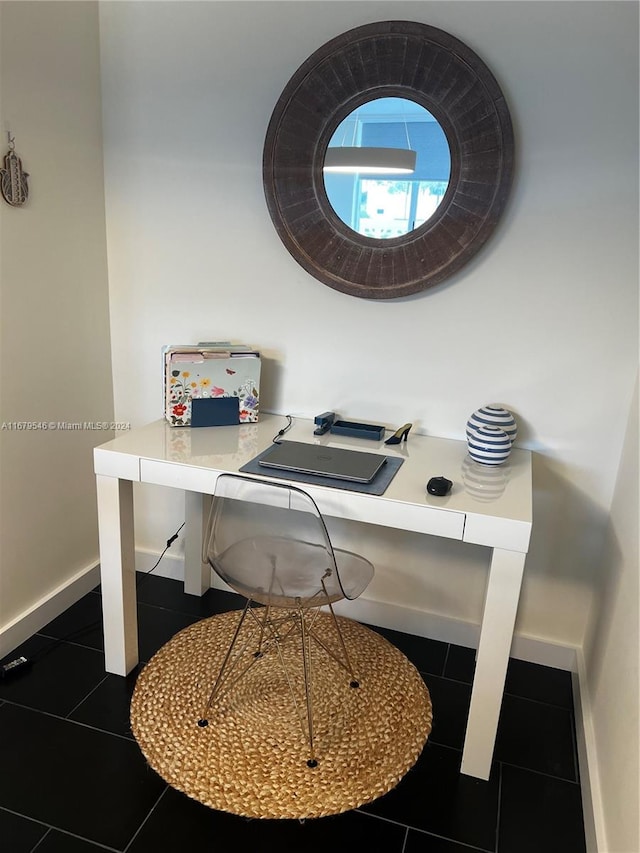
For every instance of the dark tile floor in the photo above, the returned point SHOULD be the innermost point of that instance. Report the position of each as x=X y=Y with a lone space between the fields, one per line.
x=72 y=779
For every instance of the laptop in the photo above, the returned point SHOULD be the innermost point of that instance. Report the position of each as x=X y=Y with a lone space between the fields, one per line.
x=323 y=461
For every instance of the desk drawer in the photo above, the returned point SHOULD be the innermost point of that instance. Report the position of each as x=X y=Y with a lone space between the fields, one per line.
x=189 y=478
x=331 y=502
x=402 y=516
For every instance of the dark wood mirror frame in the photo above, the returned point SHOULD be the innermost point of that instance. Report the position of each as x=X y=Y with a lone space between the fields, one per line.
x=388 y=59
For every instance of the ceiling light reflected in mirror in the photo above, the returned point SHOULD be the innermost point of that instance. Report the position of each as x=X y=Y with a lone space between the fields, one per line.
x=373 y=161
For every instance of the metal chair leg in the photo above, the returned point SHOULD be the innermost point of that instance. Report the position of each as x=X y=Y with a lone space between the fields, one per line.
x=306 y=665
x=354 y=681
x=270 y=636
x=203 y=721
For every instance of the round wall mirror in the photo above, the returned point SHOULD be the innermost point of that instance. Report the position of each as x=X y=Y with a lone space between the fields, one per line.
x=403 y=65
x=386 y=168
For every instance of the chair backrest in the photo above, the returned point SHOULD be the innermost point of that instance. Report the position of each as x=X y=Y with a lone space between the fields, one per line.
x=269 y=542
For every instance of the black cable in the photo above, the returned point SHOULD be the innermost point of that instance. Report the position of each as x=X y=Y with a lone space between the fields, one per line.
x=283 y=430
x=170 y=541
x=20 y=663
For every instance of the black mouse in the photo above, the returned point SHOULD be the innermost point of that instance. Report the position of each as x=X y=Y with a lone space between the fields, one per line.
x=439 y=486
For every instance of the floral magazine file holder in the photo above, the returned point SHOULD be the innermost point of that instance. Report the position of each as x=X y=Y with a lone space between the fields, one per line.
x=211 y=384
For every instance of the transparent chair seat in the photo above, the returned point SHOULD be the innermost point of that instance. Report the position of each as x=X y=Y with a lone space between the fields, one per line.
x=283 y=572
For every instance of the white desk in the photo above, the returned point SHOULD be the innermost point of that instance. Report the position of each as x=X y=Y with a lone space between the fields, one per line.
x=496 y=514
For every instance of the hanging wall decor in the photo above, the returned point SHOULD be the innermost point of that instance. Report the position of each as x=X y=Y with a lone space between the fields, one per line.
x=13 y=183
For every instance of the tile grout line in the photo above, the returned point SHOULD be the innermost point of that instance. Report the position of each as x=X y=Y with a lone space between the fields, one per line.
x=384 y=819
x=75 y=835
x=499 y=809
x=409 y=828
x=538 y=701
x=84 y=698
x=540 y=773
x=446 y=660
x=472 y=848
x=56 y=641
x=147 y=817
x=51 y=828
x=40 y=841
x=67 y=720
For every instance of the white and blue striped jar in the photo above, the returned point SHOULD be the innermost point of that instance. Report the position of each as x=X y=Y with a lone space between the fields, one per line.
x=489 y=445
x=493 y=415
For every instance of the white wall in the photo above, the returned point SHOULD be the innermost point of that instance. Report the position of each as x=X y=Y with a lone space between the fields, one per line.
x=544 y=320
x=54 y=333
x=611 y=658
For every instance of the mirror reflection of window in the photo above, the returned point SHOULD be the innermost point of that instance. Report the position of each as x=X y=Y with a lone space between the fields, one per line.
x=385 y=206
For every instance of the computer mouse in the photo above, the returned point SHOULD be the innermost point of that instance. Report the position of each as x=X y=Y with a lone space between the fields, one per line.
x=439 y=486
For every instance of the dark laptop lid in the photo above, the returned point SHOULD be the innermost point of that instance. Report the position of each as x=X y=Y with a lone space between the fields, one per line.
x=323 y=461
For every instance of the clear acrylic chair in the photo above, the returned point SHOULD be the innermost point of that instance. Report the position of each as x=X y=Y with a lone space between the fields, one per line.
x=269 y=542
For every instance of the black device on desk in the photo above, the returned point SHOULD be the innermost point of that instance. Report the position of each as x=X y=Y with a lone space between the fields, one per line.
x=323 y=461
x=439 y=486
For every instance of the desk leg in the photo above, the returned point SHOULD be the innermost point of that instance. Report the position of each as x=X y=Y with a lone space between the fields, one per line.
x=117 y=573
x=197 y=575
x=496 y=635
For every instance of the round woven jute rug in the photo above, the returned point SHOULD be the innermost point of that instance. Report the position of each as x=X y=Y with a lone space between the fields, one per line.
x=251 y=758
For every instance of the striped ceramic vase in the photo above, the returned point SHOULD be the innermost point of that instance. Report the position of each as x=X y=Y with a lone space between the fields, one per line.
x=493 y=415
x=489 y=445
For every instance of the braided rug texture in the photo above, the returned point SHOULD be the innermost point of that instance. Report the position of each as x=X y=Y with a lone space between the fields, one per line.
x=251 y=758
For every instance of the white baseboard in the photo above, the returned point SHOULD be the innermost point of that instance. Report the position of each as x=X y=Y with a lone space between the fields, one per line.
x=398 y=618
x=171 y=565
x=447 y=629
x=544 y=652
x=594 y=824
x=47 y=608
x=411 y=621
x=395 y=617
x=56 y=602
